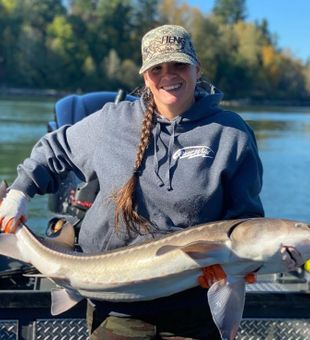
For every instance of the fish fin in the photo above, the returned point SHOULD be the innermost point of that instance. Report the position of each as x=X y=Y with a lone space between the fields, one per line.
x=8 y=247
x=226 y=300
x=63 y=300
x=195 y=250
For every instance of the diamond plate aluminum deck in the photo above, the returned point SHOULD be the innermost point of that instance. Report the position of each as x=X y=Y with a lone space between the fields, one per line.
x=8 y=329
x=250 y=329
x=60 y=329
x=266 y=287
x=270 y=314
x=274 y=329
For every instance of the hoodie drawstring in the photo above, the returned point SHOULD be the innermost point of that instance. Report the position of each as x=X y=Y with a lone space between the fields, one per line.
x=168 y=178
x=170 y=151
x=156 y=163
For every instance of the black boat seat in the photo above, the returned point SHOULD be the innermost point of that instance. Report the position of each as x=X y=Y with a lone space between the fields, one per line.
x=73 y=108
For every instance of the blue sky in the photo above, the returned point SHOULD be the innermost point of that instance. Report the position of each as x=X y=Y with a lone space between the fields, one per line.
x=288 y=19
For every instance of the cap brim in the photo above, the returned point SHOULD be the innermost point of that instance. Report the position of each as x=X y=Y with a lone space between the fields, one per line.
x=168 y=58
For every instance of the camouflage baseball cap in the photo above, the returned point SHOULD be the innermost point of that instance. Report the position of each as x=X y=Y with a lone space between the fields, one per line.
x=166 y=44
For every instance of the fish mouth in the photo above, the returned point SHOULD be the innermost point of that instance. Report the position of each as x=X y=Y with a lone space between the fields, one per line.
x=293 y=258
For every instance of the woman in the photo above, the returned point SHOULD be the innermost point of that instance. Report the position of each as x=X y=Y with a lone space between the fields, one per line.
x=167 y=161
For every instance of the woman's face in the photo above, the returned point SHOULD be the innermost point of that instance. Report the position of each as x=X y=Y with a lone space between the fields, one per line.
x=173 y=85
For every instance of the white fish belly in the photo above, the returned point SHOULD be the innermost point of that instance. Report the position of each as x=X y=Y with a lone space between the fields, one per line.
x=145 y=290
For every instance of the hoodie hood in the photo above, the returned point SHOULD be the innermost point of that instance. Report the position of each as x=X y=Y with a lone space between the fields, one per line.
x=206 y=104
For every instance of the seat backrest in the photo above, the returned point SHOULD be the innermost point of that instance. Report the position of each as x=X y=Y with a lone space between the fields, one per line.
x=73 y=108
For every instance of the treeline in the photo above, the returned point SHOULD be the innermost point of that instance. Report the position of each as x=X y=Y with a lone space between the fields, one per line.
x=86 y=45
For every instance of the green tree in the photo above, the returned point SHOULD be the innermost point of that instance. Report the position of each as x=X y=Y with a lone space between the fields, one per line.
x=250 y=40
x=291 y=80
x=39 y=13
x=66 y=54
x=32 y=53
x=95 y=44
x=230 y=11
x=232 y=74
x=106 y=26
x=129 y=71
x=307 y=76
x=263 y=26
x=10 y=27
x=144 y=16
x=209 y=45
x=174 y=12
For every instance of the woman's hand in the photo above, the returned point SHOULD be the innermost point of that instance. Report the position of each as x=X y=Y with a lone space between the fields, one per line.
x=13 y=210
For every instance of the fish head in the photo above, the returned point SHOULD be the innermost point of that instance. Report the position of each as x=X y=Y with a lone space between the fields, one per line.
x=260 y=239
x=299 y=237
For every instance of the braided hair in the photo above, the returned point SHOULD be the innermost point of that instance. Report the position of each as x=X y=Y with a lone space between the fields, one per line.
x=124 y=197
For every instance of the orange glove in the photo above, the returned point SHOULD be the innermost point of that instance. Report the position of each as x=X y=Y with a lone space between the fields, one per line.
x=11 y=225
x=214 y=273
x=13 y=210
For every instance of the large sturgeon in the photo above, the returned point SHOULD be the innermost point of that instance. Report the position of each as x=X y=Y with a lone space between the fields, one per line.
x=167 y=265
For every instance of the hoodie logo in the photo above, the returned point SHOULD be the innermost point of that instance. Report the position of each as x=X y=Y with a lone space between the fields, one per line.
x=190 y=152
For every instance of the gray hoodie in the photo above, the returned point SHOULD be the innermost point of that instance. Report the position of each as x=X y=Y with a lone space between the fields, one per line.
x=202 y=166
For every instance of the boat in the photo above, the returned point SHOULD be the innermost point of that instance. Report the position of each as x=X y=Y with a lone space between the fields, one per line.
x=277 y=305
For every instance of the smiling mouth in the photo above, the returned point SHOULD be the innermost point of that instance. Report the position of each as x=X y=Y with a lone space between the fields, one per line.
x=172 y=87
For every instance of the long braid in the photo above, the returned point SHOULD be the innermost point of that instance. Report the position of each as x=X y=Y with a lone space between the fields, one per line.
x=124 y=198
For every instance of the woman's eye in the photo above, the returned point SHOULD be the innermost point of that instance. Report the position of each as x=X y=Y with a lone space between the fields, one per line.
x=181 y=65
x=156 y=69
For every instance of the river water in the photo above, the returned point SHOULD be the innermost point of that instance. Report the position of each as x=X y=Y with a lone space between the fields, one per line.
x=283 y=136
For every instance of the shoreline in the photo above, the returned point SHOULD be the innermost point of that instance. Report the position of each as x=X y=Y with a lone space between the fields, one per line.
x=23 y=93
